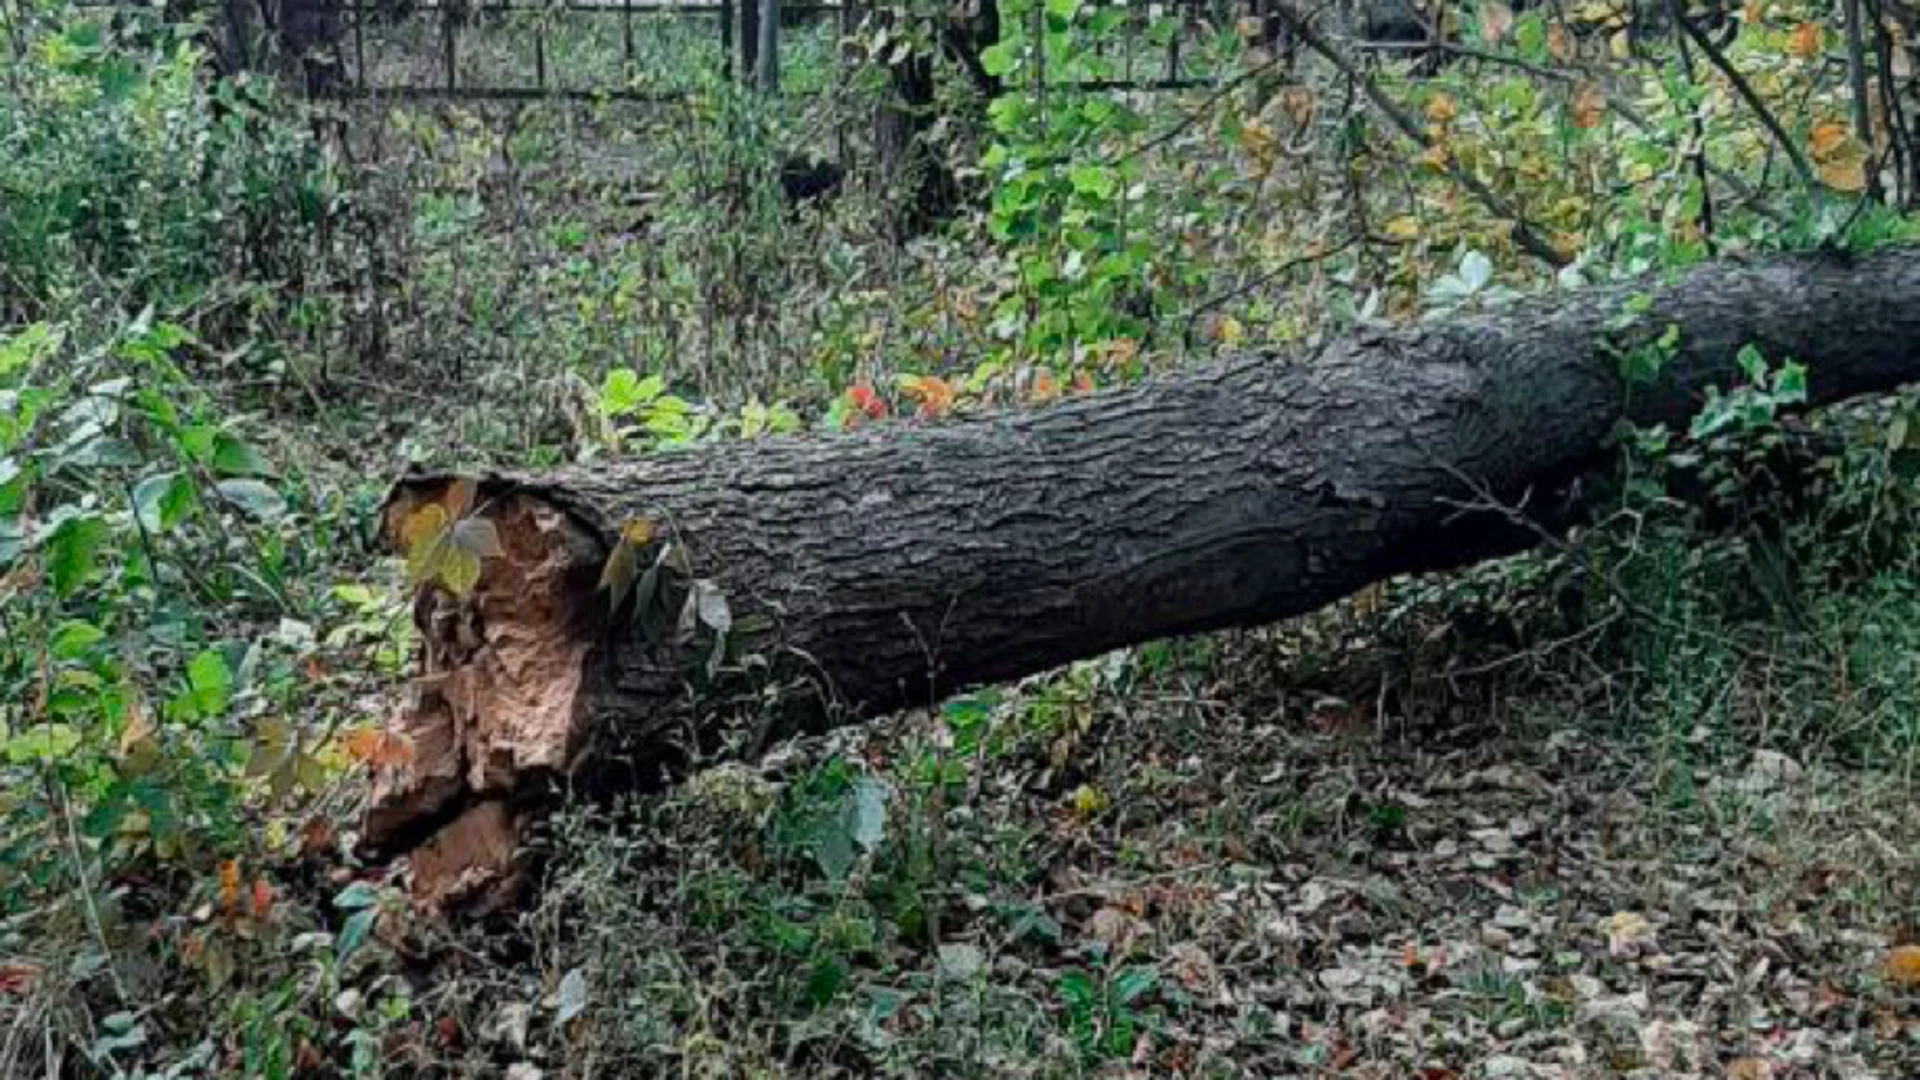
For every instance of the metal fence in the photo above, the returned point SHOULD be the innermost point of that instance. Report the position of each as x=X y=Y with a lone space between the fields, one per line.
x=520 y=50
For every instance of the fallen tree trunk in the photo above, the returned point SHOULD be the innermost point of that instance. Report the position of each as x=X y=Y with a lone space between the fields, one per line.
x=803 y=582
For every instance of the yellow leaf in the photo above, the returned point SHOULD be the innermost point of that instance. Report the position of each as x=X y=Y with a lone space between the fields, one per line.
x=1229 y=331
x=459 y=570
x=1846 y=174
x=1441 y=109
x=1496 y=19
x=1749 y=1068
x=1620 y=45
x=424 y=534
x=1088 y=801
x=1404 y=227
x=1589 y=105
x=1435 y=156
x=1258 y=141
x=1752 y=12
x=635 y=532
x=1804 y=41
x=1903 y=966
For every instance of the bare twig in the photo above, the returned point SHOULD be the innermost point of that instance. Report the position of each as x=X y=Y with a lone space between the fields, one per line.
x=1523 y=232
x=1699 y=155
x=1857 y=86
x=1214 y=301
x=1801 y=167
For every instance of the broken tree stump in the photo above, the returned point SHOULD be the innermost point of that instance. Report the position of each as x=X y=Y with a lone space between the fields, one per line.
x=625 y=619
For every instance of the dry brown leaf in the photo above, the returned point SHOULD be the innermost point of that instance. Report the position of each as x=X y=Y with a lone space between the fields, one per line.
x=1804 y=41
x=1589 y=105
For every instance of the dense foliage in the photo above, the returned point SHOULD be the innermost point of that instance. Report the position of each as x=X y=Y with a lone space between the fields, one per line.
x=227 y=313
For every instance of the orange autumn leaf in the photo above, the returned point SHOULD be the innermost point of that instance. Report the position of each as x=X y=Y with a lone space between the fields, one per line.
x=1902 y=966
x=934 y=394
x=229 y=886
x=1827 y=138
x=378 y=748
x=1804 y=41
x=1083 y=382
x=1045 y=386
x=262 y=899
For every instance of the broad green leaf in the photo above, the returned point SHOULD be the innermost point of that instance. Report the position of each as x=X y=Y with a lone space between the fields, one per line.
x=209 y=683
x=42 y=742
x=357 y=895
x=231 y=457
x=72 y=640
x=162 y=500
x=73 y=552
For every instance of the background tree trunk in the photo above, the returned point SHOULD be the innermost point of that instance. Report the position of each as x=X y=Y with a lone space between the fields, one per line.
x=891 y=567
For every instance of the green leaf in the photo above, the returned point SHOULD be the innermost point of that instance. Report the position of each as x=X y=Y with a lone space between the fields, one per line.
x=72 y=640
x=231 y=457
x=162 y=500
x=357 y=895
x=73 y=552
x=1790 y=384
x=1131 y=982
x=43 y=742
x=353 y=933
x=1000 y=58
x=1098 y=181
x=1752 y=364
x=209 y=683
x=624 y=391
x=253 y=497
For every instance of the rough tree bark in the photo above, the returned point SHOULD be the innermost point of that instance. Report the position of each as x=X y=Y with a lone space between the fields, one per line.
x=889 y=567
